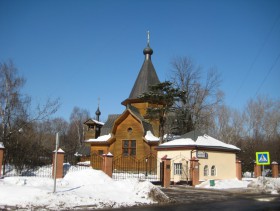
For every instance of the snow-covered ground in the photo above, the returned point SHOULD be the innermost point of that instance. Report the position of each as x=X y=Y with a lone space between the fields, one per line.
x=94 y=189
x=224 y=184
x=260 y=184
x=77 y=189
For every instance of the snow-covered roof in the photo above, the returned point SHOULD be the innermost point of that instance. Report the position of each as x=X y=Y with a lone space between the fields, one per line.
x=59 y=151
x=100 y=138
x=201 y=141
x=95 y=121
x=150 y=137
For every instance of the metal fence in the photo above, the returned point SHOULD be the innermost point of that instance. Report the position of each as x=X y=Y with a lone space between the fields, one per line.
x=43 y=171
x=146 y=168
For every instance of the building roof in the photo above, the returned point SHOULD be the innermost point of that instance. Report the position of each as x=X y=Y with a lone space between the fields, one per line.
x=147 y=76
x=93 y=121
x=107 y=127
x=199 y=141
x=100 y=138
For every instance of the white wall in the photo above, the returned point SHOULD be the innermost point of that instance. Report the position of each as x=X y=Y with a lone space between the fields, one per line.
x=224 y=163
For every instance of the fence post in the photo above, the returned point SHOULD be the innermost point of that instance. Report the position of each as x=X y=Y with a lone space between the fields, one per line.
x=166 y=171
x=238 y=170
x=195 y=171
x=59 y=163
x=275 y=170
x=1 y=157
x=257 y=170
x=107 y=165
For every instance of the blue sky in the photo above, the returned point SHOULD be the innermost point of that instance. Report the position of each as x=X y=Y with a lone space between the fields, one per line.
x=82 y=50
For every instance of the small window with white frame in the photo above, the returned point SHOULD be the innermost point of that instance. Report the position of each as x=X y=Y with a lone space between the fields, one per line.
x=177 y=168
x=206 y=171
x=213 y=171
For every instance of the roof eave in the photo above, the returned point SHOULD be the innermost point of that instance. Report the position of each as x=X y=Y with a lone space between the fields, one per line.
x=211 y=148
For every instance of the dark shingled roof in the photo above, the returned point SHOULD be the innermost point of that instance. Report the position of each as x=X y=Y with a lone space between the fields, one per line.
x=107 y=127
x=146 y=77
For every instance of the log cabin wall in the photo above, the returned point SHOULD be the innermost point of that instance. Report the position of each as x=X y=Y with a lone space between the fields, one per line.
x=142 y=108
x=129 y=129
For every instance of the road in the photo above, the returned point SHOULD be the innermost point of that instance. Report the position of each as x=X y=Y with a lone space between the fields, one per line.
x=188 y=198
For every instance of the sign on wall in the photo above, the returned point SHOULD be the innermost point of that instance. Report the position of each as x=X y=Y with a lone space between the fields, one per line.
x=262 y=158
x=202 y=154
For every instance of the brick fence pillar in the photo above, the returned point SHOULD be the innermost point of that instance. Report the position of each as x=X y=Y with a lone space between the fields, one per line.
x=166 y=171
x=59 y=163
x=107 y=165
x=238 y=169
x=275 y=170
x=257 y=170
x=194 y=171
x=1 y=157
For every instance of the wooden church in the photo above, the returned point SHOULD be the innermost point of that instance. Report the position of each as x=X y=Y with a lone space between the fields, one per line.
x=130 y=135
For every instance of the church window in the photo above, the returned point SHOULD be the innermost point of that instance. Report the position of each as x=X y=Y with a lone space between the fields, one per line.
x=129 y=130
x=129 y=147
x=90 y=127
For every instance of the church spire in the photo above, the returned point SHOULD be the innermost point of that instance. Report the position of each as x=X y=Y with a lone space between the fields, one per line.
x=148 y=51
x=147 y=75
x=98 y=113
x=148 y=38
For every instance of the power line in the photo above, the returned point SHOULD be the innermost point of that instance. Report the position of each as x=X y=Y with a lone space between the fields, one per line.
x=257 y=56
x=268 y=73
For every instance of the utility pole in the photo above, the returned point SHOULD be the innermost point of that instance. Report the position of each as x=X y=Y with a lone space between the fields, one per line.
x=55 y=161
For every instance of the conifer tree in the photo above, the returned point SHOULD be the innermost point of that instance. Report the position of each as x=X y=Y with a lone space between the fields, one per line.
x=162 y=98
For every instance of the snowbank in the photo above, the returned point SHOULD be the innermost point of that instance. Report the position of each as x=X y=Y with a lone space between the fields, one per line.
x=86 y=188
x=224 y=184
x=261 y=184
x=266 y=185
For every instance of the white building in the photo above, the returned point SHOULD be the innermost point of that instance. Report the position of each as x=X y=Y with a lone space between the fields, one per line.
x=216 y=159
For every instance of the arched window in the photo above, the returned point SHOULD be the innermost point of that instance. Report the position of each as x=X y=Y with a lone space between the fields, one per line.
x=205 y=171
x=213 y=171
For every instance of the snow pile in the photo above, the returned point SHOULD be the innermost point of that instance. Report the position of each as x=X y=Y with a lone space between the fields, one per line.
x=86 y=188
x=262 y=184
x=266 y=185
x=224 y=184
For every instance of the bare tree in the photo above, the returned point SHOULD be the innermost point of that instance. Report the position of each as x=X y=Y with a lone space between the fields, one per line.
x=228 y=125
x=11 y=103
x=15 y=111
x=262 y=118
x=76 y=128
x=256 y=128
x=197 y=106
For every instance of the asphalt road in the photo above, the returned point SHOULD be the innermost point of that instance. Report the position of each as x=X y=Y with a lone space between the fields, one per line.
x=188 y=198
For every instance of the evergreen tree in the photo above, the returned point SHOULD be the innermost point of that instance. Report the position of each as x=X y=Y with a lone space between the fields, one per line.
x=162 y=98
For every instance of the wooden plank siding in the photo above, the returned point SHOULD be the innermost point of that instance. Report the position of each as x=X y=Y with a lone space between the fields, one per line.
x=127 y=127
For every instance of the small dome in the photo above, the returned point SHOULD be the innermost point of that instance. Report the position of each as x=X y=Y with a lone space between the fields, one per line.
x=148 y=50
x=98 y=112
